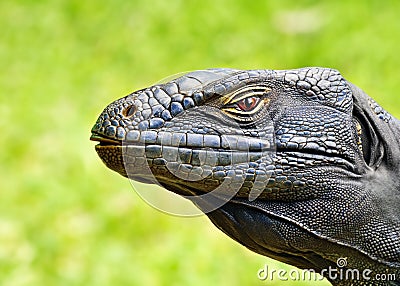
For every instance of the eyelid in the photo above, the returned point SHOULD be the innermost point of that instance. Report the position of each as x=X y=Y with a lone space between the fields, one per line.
x=248 y=91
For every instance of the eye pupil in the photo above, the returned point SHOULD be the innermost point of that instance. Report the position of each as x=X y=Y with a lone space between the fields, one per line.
x=248 y=102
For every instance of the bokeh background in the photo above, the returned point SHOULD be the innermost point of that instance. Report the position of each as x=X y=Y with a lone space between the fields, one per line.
x=67 y=220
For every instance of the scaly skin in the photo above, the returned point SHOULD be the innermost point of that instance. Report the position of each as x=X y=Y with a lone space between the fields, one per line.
x=298 y=165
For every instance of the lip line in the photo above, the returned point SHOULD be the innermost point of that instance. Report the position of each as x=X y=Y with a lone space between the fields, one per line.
x=103 y=140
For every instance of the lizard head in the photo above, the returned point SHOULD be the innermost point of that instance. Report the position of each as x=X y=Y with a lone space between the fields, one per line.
x=211 y=126
x=278 y=160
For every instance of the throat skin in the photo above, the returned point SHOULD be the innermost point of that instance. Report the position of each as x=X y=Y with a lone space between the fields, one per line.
x=298 y=165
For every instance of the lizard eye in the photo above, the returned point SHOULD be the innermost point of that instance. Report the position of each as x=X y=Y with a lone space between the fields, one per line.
x=248 y=104
x=243 y=104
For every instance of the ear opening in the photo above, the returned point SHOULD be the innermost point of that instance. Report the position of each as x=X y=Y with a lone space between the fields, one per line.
x=371 y=141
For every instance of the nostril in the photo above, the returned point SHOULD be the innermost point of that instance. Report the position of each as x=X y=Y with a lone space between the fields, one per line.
x=129 y=111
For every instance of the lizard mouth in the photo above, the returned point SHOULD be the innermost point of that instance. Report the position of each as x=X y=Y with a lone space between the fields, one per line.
x=103 y=141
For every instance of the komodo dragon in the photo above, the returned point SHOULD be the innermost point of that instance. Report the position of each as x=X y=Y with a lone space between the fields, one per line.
x=299 y=165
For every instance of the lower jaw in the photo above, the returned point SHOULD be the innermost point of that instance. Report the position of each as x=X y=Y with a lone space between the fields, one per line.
x=144 y=174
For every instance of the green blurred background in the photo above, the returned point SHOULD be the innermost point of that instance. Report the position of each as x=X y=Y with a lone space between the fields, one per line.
x=67 y=220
